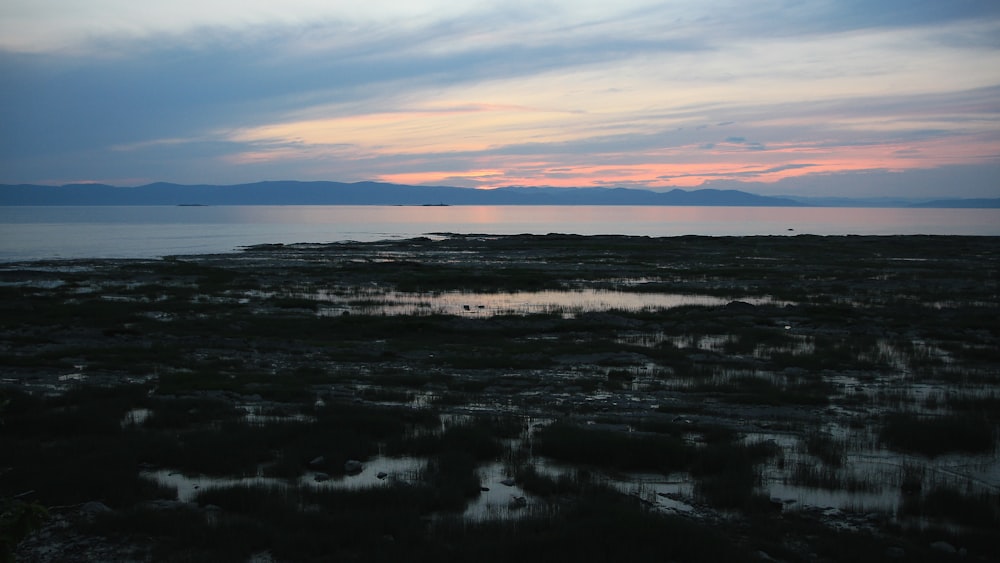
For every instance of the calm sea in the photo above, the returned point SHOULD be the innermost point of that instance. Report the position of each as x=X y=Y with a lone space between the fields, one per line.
x=31 y=233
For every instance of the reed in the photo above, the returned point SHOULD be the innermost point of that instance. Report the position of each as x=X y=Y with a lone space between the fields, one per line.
x=937 y=435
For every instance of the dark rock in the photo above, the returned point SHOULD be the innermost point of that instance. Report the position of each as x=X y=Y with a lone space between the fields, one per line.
x=740 y=306
x=943 y=547
x=93 y=509
x=895 y=552
x=353 y=467
x=163 y=504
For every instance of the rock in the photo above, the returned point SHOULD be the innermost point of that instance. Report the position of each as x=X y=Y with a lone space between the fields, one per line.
x=164 y=504
x=895 y=552
x=91 y=510
x=943 y=547
x=509 y=481
x=740 y=306
x=382 y=475
x=320 y=477
x=353 y=467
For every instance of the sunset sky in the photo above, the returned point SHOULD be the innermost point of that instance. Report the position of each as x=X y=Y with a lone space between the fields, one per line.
x=806 y=97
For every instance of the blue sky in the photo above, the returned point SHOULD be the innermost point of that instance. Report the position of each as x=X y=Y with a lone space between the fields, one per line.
x=814 y=98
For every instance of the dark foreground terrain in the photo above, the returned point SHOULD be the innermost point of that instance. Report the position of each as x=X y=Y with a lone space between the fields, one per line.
x=550 y=398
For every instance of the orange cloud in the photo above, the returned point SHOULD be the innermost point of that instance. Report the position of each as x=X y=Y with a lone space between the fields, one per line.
x=440 y=177
x=693 y=166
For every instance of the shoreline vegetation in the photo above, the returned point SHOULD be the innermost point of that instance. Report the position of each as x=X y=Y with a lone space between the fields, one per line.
x=497 y=397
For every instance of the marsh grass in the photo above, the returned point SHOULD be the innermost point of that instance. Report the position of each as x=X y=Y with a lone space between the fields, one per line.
x=728 y=474
x=184 y=412
x=826 y=448
x=937 y=435
x=452 y=477
x=476 y=438
x=829 y=478
x=985 y=403
x=611 y=449
x=980 y=510
x=545 y=486
x=387 y=395
x=102 y=468
x=870 y=323
x=390 y=524
x=751 y=389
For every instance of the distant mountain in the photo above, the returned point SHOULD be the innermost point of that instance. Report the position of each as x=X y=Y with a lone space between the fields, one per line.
x=982 y=203
x=894 y=202
x=376 y=193
x=366 y=193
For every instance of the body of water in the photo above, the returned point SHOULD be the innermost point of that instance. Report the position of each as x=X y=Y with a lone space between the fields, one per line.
x=33 y=233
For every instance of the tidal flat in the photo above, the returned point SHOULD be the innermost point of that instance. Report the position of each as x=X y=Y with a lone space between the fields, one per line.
x=480 y=397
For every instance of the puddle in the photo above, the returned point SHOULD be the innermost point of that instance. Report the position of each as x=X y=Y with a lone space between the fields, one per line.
x=257 y=415
x=378 y=471
x=706 y=342
x=135 y=417
x=188 y=486
x=503 y=499
x=796 y=497
x=79 y=376
x=381 y=302
x=395 y=470
x=36 y=284
x=667 y=493
x=870 y=478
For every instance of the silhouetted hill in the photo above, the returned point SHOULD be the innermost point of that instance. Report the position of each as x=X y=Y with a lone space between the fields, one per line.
x=365 y=193
x=983 y=203
x=894 y=202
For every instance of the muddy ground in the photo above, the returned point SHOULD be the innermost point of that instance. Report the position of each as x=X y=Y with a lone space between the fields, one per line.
x=805 y=388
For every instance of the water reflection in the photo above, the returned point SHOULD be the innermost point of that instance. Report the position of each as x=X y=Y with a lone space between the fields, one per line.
x=567 y=303
x=33 y=233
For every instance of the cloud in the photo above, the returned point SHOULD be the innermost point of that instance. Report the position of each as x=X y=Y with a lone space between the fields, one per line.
x=756 y=173
x=634 y=93
x=976 y=181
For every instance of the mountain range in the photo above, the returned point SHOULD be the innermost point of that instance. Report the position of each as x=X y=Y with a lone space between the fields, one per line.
x=376 y=193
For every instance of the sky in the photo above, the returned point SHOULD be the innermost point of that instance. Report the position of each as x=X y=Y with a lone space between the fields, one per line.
x=845 y=98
